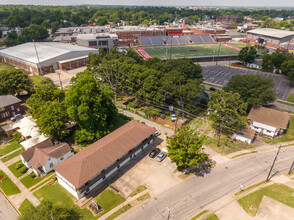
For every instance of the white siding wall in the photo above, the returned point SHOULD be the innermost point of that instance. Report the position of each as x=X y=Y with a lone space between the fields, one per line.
x=265 y=129
x=242 y=138
x=68 y=186
x=55 y=161
x=25 y=163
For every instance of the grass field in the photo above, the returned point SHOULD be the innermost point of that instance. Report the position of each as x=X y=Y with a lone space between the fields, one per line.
x=291 y=97
x=24 y=206
x=279 y=192
x=7 y=148
x=7 y=186
x=196 y=50
x=5 y=66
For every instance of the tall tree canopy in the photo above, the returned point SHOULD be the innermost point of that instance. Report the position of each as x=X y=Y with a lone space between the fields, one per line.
x=48 y=211
x=13 y=82
x=252 y=88
x=247 y=54
x=185 y=148
x=227 y=109
x=90 y=105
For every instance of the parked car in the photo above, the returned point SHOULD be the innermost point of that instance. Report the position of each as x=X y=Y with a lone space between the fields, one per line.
x=142 y=122
x=173 y=117
x=212 y=89
x=157 y=133
x=154 y=152
x=16 y=117
x=160 y=157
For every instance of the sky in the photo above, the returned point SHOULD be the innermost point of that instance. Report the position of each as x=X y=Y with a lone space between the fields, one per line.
x=232 y=3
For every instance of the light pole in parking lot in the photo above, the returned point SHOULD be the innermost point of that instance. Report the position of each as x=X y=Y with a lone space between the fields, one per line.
x=58 y=73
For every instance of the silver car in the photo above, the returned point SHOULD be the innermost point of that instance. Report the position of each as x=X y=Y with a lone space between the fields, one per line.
x=160 y=157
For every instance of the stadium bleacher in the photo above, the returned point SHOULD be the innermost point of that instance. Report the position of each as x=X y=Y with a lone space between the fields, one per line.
x=167 y=40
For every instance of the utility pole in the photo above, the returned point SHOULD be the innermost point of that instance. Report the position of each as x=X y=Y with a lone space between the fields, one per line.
x=268 y=176
x=218 y=53
x=176 y=124
x=38 y=65
x=291 y=168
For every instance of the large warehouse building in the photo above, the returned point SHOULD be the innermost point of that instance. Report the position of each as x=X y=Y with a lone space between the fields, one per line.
x=46 y=56
x=269 y=37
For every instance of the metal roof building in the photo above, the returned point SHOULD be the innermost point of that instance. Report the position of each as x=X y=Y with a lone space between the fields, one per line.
x=44 y=55
x=269 y=37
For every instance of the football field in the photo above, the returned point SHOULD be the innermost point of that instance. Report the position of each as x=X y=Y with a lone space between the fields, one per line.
x=195 y=50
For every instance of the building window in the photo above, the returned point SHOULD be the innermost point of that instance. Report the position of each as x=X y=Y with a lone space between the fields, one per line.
x=2 y=109
x=12 y=107
x=92 y=43
x=5 y=114
x=51 y=165
x=18 y=110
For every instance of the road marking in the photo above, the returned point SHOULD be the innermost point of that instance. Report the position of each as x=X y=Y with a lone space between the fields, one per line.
x=219 y=180
x=184 y=198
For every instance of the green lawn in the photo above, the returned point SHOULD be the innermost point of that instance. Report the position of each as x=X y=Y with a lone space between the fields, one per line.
x=7 y=148
x=143 y=197
x=7 y=186
x=138 y=190
x=290 y=97
x=212 y=217
x=5 y=66
x=250 y=187
x=108 y=199
x=50 y=179
x=28 y=181
x=200 y=214
x=24 y=206
x=289 y=136
x=36 y=80
x=14 y=170
x=13 y=155
x=58 y=195
x=119 y=212
x=279 y=192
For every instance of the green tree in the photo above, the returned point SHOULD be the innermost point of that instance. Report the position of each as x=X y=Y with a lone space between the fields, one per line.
x=11 y=39
x=13 y=82
x=247 y=54
x=53 y=119
x=185 y=148
x=253 y=89
x=227 y=109
x=47 y=210
x=267 y=63
x=91 y=107
x=288 y=69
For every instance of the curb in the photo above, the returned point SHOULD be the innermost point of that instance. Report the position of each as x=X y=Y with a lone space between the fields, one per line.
x=10 y=202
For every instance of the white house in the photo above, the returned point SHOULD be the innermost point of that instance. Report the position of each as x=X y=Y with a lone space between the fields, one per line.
x=86 y=171
x=245 y=134
x=45 y=155
x=268 y=121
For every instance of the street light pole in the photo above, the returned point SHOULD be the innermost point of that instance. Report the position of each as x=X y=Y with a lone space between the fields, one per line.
x=58 y=73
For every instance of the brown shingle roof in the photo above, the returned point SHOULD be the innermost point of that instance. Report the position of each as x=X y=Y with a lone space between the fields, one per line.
x=268 y=116
x=86 y=164
x=39 y=154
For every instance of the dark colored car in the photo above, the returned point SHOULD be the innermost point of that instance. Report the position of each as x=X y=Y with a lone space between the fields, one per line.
x=154 y=152
x=212 y=89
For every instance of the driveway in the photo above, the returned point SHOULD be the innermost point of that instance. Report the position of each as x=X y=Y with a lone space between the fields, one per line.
x=65 y=76
x=156 y=176
x=7 y=212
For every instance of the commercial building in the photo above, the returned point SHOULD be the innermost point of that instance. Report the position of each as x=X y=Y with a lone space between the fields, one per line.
x=89 y=168
x=43 y=56
x=45 y=155
x=269 y=37
x=104 y=40
x=202 y=30
x=268 y=121
x=9 y=107
x=228 y=19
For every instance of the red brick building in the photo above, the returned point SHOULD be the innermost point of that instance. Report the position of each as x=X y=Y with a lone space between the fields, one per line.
x=9 y=107
x=228 y=19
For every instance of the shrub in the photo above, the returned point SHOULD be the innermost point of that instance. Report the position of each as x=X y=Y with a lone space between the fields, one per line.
x=152 y=111
x=18 y=165
x=134 y=104
x=23 y=169
x=17 y=137
x=33 y=175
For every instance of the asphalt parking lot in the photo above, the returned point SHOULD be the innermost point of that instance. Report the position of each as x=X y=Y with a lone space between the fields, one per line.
x=156 y=176
x=220 y=75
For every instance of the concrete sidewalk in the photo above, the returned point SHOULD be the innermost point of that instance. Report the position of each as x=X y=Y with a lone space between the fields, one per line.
x=25 y=193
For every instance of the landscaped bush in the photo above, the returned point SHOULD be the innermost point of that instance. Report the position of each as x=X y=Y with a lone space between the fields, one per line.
x=33 y=175
x=135 y=104
x=17 y=137
x=18 y=165
x=23 y=169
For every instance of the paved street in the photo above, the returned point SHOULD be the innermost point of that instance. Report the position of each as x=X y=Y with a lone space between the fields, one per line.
x=186 y=199
x=7 y=212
